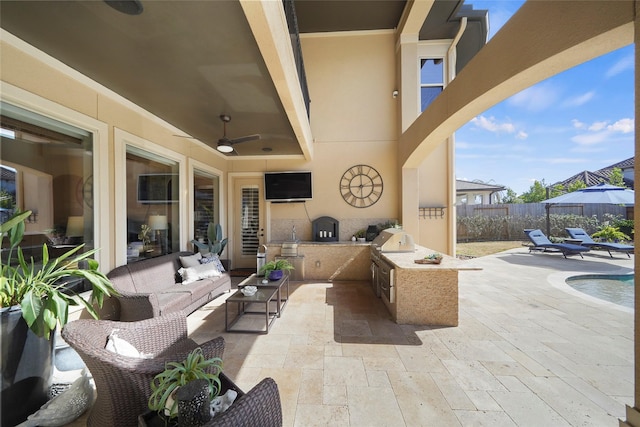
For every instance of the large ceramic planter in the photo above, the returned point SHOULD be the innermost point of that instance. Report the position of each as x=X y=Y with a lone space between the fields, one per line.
x=27 y=367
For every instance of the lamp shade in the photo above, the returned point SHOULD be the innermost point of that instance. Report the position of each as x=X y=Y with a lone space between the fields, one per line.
x=158 y=222
x=75 y=226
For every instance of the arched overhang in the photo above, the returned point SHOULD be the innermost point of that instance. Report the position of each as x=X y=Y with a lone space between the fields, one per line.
x=542 y=39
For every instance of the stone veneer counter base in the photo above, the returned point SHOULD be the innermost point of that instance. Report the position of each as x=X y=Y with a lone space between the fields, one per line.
x=425 y=294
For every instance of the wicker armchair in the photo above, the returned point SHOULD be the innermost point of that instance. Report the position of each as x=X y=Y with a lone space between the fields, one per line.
x=260 y=406
x=123 y=383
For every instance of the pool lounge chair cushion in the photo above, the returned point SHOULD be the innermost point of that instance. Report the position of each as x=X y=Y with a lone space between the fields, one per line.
x=541 y=242
x=580 y=234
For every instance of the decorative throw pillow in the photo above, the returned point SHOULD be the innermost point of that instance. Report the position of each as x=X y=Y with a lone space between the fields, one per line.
x=117 y=345
x=206 y=260
x=213 y=258
x=191 y=260
x=200 y=271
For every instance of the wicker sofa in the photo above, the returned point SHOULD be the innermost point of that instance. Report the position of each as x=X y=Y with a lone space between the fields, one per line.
x=153 y=288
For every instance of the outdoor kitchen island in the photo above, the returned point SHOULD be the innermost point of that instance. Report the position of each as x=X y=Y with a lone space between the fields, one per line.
x=422 y=294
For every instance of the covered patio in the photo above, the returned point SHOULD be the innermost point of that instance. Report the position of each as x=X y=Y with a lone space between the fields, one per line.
x=530 y=351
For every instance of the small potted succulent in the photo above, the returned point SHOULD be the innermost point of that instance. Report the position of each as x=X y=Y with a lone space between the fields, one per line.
x=274 y=270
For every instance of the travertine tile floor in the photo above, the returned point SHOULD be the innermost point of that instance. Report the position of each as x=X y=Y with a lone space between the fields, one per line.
x=528 y=351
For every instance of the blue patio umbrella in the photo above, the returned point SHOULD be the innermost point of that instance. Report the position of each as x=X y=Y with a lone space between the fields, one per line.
x=601 y=193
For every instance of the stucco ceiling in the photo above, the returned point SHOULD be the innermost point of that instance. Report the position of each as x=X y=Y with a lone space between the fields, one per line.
x=188 y=62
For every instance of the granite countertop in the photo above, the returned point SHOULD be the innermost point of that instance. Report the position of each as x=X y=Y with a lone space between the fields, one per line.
x=313 y=243
x=406 y=260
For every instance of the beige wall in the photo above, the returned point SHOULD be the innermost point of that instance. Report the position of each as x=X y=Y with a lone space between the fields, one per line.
x=359 y=70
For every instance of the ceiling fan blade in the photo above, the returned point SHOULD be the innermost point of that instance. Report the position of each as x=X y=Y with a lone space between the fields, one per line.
x=245 y=138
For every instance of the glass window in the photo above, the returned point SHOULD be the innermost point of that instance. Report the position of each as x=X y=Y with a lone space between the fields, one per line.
x=46 y=166
x=152 y=205
x=206 y=203
x=431 y=80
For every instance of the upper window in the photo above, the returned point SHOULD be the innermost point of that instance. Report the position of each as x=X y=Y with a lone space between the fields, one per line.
x=431 y=80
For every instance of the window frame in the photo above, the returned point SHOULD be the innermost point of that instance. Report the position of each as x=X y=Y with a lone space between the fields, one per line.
x=122 y=139
x=100 y=138
x=192 y=166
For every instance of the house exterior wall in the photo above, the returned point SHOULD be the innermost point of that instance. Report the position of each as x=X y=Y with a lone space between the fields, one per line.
x=51 y=88
x=353 y=118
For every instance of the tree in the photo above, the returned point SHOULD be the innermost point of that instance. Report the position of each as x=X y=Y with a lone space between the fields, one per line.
x=537 y=192
x=510 y=197
x=616 y=177
x=575 y=186
x=556 y=190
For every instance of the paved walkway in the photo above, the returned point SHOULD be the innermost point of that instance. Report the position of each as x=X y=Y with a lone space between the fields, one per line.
x=529 y=351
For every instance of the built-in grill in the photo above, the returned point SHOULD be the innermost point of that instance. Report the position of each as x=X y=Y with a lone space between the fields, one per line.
x=382 y=273
x=393 y=240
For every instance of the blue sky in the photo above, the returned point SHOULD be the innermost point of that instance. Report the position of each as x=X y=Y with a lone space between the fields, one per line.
x=581 y=119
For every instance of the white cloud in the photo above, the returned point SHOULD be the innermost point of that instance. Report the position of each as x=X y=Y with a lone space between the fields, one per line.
x=623 y=126
x=601 y=131
x=624 y=64
x=535 y=98
x=578 y=124
x=597 y=126
x=591 y=138
x=564 y=160
x=492 y=125
x=522 y=135
x=580 y=100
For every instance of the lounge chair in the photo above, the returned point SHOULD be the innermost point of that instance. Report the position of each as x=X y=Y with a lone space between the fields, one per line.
x=580 y=234
x=542 y=243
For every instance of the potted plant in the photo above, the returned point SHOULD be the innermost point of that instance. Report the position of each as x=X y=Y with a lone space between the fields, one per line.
x=144 y=236
x=33 y=303
x=361 y=235
x=274 y=270
x=215 y=244
x=177 y=374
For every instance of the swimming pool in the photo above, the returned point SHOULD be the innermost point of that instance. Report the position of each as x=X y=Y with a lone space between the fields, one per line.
x=615 y=288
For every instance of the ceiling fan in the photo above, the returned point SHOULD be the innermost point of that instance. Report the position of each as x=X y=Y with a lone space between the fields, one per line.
x=225 y=144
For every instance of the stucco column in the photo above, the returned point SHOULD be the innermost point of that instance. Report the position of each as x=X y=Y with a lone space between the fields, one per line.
x=633 y=415
x=410 y=200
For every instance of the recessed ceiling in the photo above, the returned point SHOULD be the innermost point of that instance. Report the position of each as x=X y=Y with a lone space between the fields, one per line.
x=188 y=62
x=185 y=61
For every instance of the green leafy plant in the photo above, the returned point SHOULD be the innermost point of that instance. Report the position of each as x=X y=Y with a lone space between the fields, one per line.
x=609 y=233
x=215 y=243
x=144 y=235
x=281 y=264
x=37 y=289
x=177 y=374
x=361 y=234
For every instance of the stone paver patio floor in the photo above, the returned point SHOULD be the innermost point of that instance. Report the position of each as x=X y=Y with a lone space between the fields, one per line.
x=528 y=351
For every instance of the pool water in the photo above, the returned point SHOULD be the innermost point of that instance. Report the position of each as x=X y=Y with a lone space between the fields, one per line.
x=615 y=288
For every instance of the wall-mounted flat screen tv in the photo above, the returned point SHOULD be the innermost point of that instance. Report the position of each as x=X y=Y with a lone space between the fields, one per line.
x=287 y=186
x=157 y=188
